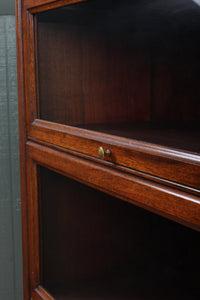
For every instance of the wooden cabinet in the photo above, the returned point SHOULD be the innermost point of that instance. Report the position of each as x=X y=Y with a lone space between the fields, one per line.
x=109 y=105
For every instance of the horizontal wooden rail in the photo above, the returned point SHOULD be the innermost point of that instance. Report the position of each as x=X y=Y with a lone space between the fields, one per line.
x=171 y=203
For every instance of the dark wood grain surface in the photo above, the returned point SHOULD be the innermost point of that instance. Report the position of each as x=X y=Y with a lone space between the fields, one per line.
x=172 y=203
x=45 y=5
x=103 y=65
x=175 y=135
x=177 y=166
x=116 y=64
x=99 y=246
x=94 y=83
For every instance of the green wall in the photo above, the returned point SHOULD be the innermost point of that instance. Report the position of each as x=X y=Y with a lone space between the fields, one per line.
x=7 y=7
x=10 y=204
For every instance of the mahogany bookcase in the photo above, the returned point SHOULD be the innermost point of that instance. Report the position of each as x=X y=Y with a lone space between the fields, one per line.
x=109 y=114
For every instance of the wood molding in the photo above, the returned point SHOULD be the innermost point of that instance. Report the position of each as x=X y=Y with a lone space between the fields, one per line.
x=41 y=294
x=176 y=205
x=145 y=157
x=44 y=5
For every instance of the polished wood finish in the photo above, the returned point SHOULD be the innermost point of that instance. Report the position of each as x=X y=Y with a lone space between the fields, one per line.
x=44 y=5
x=128 y=187
x=41 y=294
x=22 y=140
x=178 y=166
x=81 y=89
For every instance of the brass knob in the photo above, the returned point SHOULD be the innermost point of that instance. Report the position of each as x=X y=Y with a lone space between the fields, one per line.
x=102 y=153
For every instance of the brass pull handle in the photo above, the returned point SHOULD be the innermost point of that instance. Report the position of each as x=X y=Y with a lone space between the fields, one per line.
x=102 y=153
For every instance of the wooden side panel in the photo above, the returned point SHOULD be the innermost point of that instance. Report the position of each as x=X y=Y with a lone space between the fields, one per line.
x=22 y=139
x=33 y=224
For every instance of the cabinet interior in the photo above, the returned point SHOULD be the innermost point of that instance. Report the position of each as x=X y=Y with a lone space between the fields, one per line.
x=96 y=246
x=126 y=68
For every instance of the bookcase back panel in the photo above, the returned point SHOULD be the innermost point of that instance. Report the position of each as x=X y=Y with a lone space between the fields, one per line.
x=85 y=78
x=102 y=65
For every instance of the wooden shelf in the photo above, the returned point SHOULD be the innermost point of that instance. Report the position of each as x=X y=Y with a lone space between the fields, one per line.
x=125 y=288
x=182 y=137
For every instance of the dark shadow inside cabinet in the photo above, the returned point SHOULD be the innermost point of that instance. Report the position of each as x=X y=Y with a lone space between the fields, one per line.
x=126 y=68
x=96 y=246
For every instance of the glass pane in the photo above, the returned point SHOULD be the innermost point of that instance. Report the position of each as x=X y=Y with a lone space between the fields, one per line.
x=129 y=68
x=95 y=246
